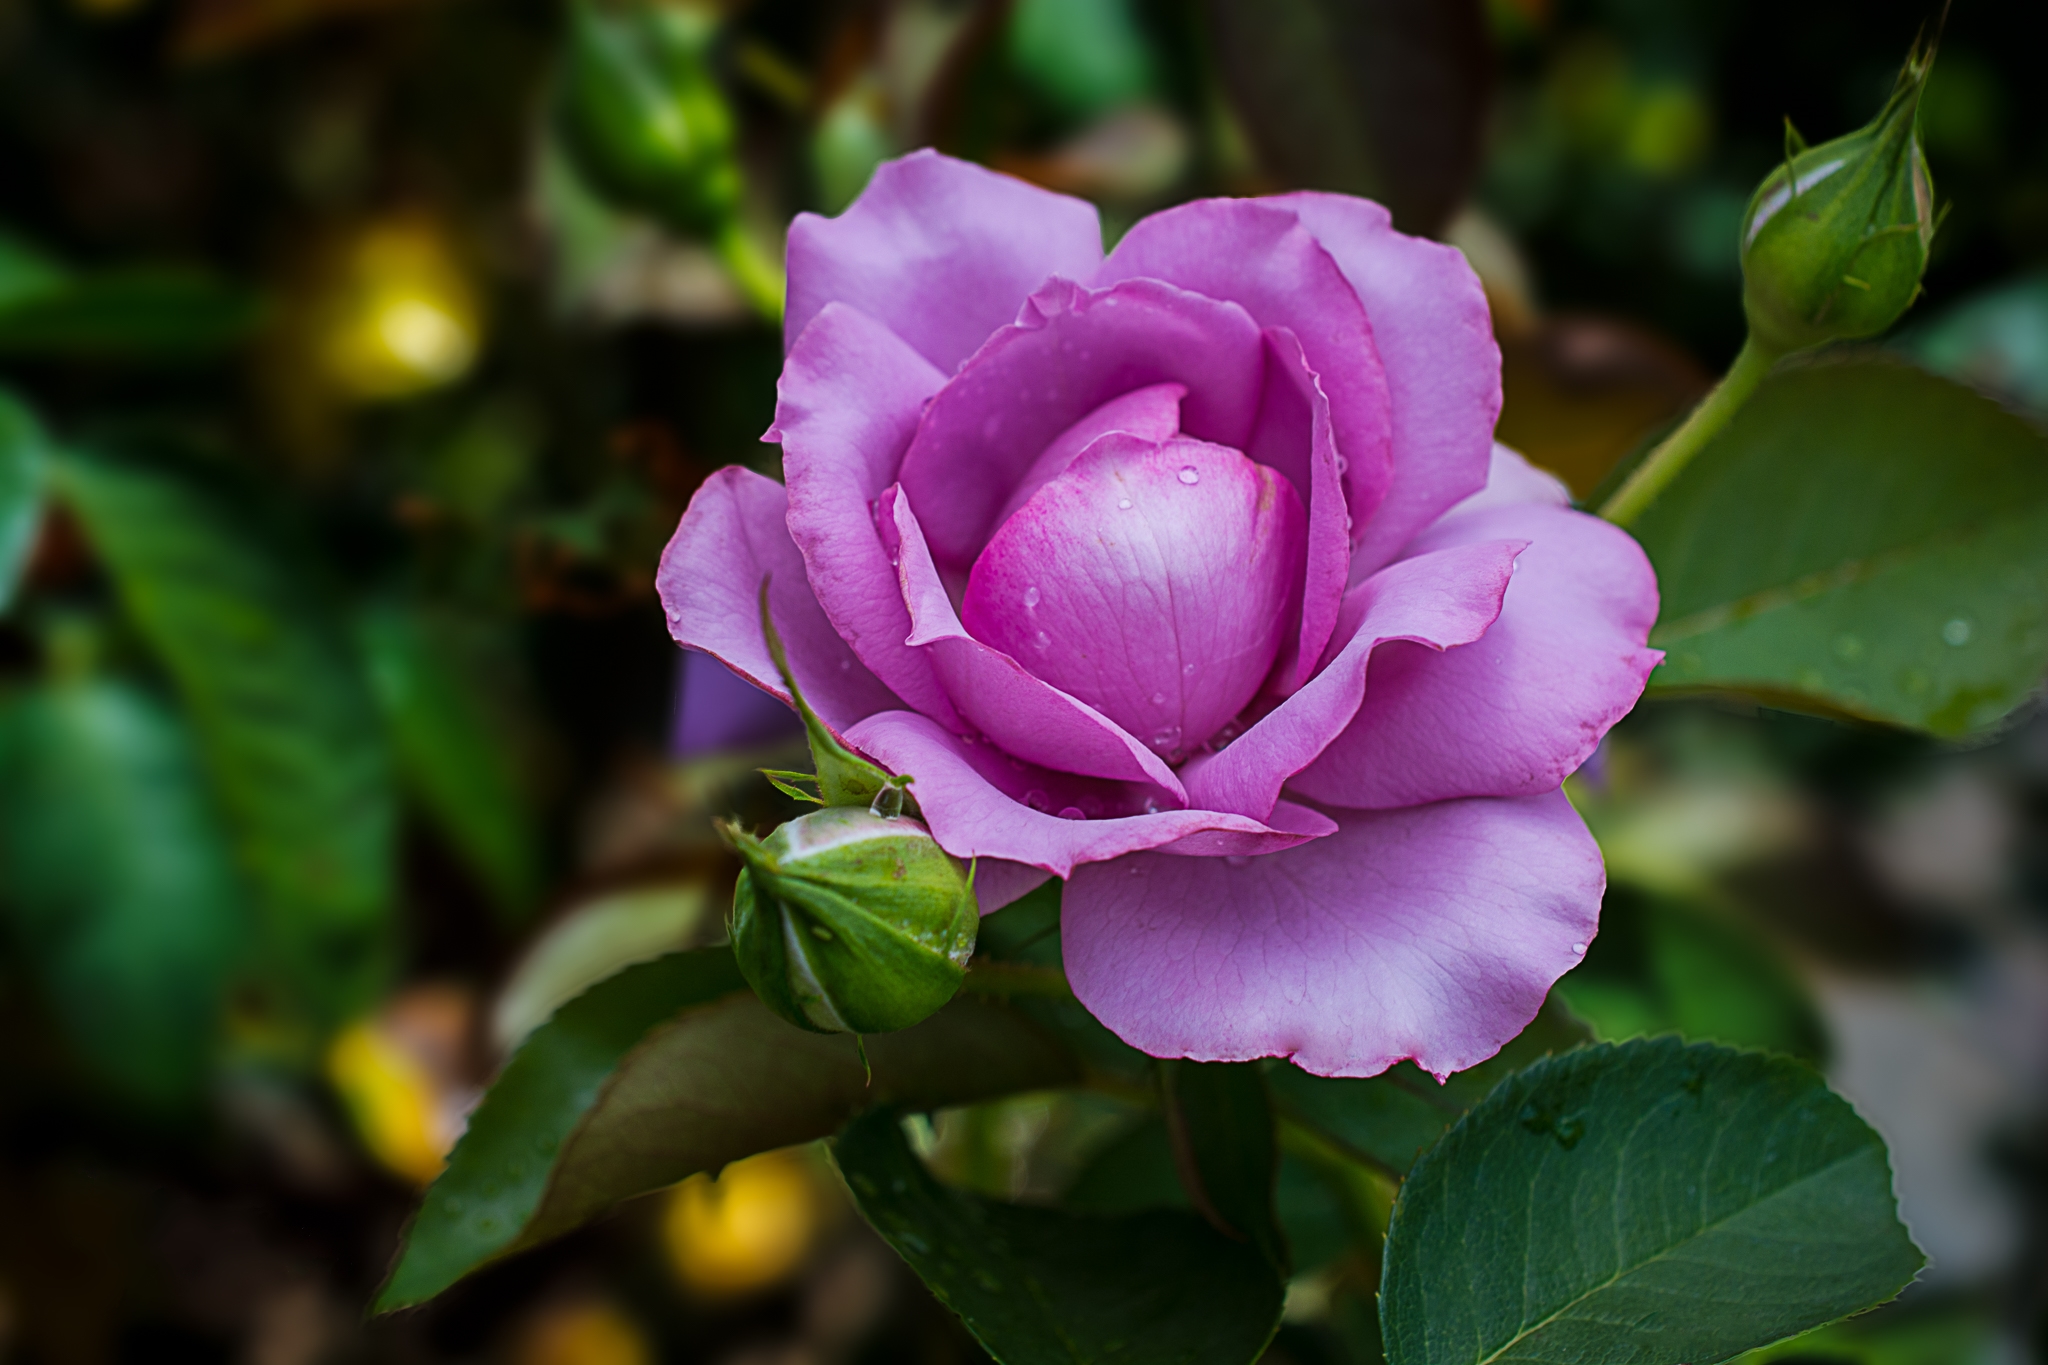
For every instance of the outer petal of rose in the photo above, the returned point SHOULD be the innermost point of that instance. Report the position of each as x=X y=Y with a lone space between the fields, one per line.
x=998 y=881
x=966 y=793
x=1437 y=600
x=850 y=396
x=1435 y=337
x=1261 y=257
x=940 y=251
x=1070 y=351
x=1521 y=708
x=1510 y=479
x=1295 y=437
x=997 y=696
x=1429 y=933
x=732 y=537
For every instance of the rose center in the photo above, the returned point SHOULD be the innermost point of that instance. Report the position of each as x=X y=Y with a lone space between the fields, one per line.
x=1153 y=580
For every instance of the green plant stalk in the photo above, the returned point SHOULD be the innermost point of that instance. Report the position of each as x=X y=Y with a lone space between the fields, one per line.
x=1641 y=488
x=760 y=279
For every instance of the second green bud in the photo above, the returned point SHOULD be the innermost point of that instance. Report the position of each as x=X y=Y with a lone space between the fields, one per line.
x=845 y=921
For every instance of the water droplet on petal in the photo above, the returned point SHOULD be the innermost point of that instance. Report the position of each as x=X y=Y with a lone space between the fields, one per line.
x=1035 y=799
x=1032 y=597
x=1072 y=813
x=1579 y=948
x=1187 y=670
x=1159 y=699
x=1343 y=465
x=888 y=803
x=1124 y=504
x=1189 y=474
x=1041 y=641
x=1235 y=860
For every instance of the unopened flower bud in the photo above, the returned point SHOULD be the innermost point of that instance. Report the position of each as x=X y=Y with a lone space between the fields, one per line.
x=1835 y=240
x=849 y=921
x=642 y=116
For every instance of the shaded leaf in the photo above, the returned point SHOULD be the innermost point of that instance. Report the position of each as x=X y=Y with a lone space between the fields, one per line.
x=1654 y=1200
x=130 y=314
x=1391 y=1119
x=24 y=465
x=1221 y=1122
x=1040 y=1285
x=285 y=723
x=1383 y=98
x=1863 y=538
x=119 y=880
x=716 y=1082
x=456 y=746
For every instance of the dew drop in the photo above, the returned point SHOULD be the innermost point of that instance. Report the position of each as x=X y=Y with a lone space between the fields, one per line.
x=1235 y=860
x=1189 y=474
x=1956 y=632
x=1072 y=813
x=888 y=803
x=1343 y=465
x=1159 y=699
x=1041 y=641
x=1579 y=948
x=1035 y=799
x=1032 y=597
x=1123 y=504
x=1187 y=670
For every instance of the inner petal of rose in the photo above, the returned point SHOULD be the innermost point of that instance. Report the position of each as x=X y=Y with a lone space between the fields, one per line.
x=1150 y=579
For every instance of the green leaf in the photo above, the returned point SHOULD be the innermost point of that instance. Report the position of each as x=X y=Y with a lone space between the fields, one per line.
x=1655 y=1200
x=285 y=722
x=119 y=882
x=844 y=778
x=1862 y=538
x=128 y=314
x=457 y=744
x=27 y=272
x=1665 y=965
x=1221 y=1122
x=1391 y=1119
x=1041 y=1286
x=717 y=1081
x=499 y=1170
x=1375 y=97
x=24 y=465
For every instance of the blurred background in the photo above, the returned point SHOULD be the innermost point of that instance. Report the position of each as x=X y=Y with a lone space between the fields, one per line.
x=341 y=738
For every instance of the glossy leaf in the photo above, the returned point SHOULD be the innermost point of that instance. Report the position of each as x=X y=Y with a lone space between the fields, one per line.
x=1041 y=1285
x=499 y=1170
x=284 y=720
x=24 y=464
x=456 y=744
x=1654 y=1200
x=1391 y=1119
x=118 y=881
x=1863 y=538
x=1221 y=1122
x=133 y=314
x=1383 y=98
x=720 y=1080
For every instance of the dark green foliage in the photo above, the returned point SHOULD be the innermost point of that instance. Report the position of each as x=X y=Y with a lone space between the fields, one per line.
x=286 y=727
x=1651 y=1201
x=24 y=461
x=116 y=880
x=1221 y=1122
x=1038 y=1286
x=158 y=315
x=1863 y=538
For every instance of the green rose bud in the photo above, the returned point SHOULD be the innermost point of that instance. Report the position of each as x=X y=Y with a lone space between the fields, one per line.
x=1835 y=240
x=642 y=117
x=849 y=921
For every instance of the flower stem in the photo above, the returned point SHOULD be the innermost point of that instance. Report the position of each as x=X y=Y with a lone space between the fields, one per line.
x=1641 y=488
x=760 y=279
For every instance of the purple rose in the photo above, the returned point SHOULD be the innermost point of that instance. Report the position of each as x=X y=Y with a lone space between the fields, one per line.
x=1105 y=551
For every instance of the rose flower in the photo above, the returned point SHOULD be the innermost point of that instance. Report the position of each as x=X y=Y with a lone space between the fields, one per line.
x=1191 y=574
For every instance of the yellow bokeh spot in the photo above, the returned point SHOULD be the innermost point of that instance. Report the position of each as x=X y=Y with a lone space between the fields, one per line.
x=750 y=1227
x=589 y=1332
x=392 y=1099
x=398 y=317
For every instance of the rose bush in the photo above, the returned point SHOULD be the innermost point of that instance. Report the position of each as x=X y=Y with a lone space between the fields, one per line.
x=1191 y=574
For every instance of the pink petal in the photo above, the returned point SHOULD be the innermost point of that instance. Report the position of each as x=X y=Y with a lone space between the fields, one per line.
x=1430 y=933
x=1510 y=480
x=981 y=802
x=1153 y=413
x=939 y=251
x=1027 y=716
x=1436 y=600
x=1260 y=256
x=1149 y=581
x=731 y=538
x=998 y=882
x=1070 y=351
x=1522 y=707
x=1294 y=436
x=850 y=396
x=1435 y=338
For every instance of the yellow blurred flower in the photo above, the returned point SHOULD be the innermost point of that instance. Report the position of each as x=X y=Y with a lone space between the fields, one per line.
x=398 y=315
x=400 y=1075
x=582 y=1332
x=753 y=1224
